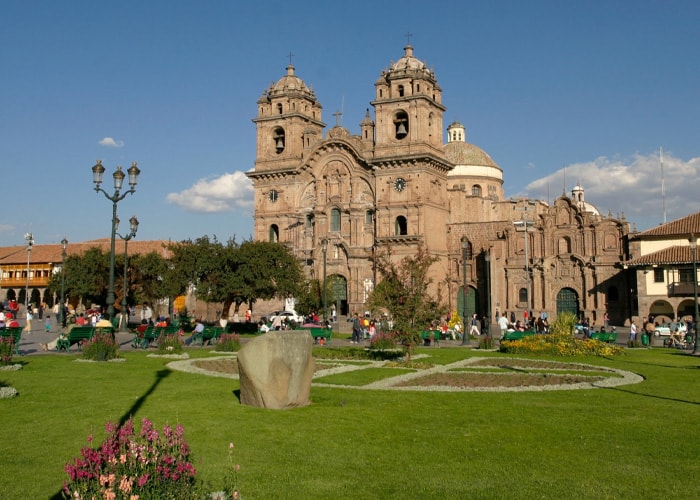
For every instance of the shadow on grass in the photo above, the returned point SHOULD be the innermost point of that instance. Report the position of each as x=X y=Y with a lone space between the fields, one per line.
x=160 y=376
x=651 y=395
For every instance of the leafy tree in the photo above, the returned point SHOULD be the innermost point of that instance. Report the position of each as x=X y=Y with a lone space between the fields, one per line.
x=310 y=299
x=403 y=291
x=86 y=277
x=148 y=281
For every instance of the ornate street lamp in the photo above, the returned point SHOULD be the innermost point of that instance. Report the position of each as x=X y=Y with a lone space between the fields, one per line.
x=324 y=249
x=133 y=227
x=98 y=172
x=465 y=331
x=61 y=320
x=694 y=247
x=29 y=239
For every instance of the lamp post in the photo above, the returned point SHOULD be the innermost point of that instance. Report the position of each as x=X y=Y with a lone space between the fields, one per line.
x=61 y=309
x=465 y=332
x=487 y=259
x=98 y=172
x=694 y=247
x=324 y=249
x=133 y=227
x=29 y=239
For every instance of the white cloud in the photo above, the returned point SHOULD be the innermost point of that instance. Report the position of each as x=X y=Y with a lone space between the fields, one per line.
x=219 y=194
x=6 y=228
x=111 y=143
x=632 y=186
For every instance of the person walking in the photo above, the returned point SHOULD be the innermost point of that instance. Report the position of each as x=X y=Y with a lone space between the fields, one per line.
x=30 y=317
x=474 y=329
x=633 y=332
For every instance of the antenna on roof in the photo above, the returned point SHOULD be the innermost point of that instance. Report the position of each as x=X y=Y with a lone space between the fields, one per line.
x=663 y=182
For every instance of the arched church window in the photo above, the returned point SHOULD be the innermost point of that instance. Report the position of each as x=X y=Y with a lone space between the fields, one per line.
x=279 y=108
x=522 y=295
x=476 y=190
x=310 y=221
x=274 y=233
x=400 y=125
x=400 y=226
x=335 y=220
x=400 y=90
x=369 y=217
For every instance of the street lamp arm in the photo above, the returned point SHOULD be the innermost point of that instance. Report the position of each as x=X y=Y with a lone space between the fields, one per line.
x=116 y=197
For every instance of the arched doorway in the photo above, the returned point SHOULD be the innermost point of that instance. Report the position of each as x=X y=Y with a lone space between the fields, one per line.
x=468 y=300
x=338 y=286
x=567 y=302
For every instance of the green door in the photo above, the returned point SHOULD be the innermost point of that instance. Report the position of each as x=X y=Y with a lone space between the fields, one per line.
x=567 y=301
x=470 y=302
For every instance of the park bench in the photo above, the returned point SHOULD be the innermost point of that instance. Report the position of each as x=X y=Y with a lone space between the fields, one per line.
x=210 y=334
x=517 y=334
x=430 y=335
x=76 y=335
x=150 y=334
x=609 y=337
x=320 y=333
x=15 y=333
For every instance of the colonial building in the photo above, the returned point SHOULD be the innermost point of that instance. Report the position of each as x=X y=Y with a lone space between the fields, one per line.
x=663 y=263
x=336 y=199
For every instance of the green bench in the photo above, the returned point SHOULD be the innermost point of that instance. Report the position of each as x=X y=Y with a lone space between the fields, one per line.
x=320 y=333
x=151 y=334
x=76 y=335
x=15 y=333
x=210 y=334
x=517 y=335
x=609 y=337
x=430 y=335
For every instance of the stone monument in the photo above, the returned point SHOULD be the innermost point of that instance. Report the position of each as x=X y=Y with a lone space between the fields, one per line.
x=276 y=369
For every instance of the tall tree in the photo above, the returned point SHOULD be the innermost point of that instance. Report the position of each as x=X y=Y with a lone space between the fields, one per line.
x=404 y=292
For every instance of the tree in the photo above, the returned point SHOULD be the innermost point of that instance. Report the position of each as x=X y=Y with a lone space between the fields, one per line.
x=86 y=277
x=403 y=292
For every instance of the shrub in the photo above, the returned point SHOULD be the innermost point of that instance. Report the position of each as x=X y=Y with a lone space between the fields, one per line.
x=228 y=342
x=486 y=342
x=101 y=347
x=564 y=324
x=383 y=340
x=7 y=344
x=169 y=344
x=150 y=465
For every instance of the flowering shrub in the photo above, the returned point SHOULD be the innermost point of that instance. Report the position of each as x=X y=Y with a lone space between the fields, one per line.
x=228 y=342
x=101 y=347
x=383 y=340
x=150 y=465
x=559 y=345
x=169 y=344
x=6 y=346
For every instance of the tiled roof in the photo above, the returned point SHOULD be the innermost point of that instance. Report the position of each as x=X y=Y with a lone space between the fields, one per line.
x=52 y=253
x=690 y=224
x=674 y=255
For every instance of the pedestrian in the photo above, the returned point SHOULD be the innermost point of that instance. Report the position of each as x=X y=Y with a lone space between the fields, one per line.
x=606 y=320
x=633 y=332
x=30 y=317
x=474 y=328
x=356 y=329
x=503 y=324
x=48 y=323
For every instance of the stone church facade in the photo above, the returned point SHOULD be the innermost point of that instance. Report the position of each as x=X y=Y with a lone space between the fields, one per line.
x=338 y=199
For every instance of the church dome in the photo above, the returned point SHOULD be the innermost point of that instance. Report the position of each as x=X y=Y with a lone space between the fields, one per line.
x=289 y=83
x=463 y=153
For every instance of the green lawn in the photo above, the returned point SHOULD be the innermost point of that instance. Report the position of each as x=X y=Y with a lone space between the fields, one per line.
x=637 y=441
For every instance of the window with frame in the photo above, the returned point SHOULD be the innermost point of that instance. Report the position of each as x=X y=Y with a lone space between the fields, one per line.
x=659 y=275
x=274 y=233
x=335 y=220
x=685 y=275
x=522 y=295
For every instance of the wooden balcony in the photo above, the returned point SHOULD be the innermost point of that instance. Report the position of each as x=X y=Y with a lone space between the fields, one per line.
x=678 y=289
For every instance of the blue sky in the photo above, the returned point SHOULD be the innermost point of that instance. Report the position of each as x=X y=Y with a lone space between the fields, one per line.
x=556 y=92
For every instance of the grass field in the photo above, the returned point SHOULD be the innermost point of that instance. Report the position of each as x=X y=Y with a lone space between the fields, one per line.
x=636 y=441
